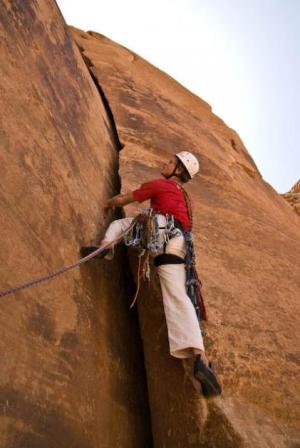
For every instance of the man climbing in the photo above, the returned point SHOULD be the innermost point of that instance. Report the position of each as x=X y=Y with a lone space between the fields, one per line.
x=172 y=210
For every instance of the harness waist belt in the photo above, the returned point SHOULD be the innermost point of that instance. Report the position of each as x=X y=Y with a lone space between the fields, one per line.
x=177 y=224
x=167 y=259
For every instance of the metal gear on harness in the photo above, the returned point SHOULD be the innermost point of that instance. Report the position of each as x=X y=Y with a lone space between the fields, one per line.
x=145 y=237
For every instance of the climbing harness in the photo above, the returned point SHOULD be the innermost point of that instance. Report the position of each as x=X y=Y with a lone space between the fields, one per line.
x=145 y=236
x=64 y=269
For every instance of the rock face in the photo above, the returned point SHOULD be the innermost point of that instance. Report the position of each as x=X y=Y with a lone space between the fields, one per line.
x=293 y=197
x=248 y=247
x=67 y=378
x=72 y=363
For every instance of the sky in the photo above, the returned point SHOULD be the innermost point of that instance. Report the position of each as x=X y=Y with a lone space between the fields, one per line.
x=240 y=56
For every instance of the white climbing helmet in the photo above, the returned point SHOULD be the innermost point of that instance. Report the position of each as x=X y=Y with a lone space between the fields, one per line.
x=189 y=161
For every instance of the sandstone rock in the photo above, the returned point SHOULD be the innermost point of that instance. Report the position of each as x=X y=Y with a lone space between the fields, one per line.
x=248 y=247
x=296 y=187
x=293 y=197
x=67 y=378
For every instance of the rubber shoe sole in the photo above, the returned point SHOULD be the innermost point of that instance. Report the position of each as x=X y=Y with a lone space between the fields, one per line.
x=206 y=376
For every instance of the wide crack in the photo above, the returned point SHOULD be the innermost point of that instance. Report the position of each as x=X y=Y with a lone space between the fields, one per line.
x=113 y=127
x=131 y=286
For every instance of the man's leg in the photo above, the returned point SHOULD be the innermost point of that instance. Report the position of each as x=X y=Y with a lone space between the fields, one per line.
x=113 y=233
x=185 y=338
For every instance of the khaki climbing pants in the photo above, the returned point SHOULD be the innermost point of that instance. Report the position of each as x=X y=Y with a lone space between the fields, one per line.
x=185 y=338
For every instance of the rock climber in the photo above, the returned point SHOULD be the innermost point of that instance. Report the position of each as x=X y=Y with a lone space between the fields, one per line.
x=168 y=198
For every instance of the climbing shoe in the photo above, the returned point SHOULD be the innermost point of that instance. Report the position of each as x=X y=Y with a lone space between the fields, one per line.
x=87 y=250
x=206 y=376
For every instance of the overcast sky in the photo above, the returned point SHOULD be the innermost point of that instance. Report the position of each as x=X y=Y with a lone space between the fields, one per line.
x=241 y=56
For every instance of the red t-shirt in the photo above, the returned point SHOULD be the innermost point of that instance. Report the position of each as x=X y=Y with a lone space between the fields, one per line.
x=165 y=197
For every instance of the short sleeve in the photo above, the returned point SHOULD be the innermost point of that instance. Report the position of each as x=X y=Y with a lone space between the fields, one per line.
x=146 y=191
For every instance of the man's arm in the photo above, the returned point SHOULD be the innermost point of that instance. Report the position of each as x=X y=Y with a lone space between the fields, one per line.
x=120 y=200
x=144 y=192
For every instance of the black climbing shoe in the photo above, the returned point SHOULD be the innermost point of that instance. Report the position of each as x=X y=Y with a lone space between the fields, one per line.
x=87 y=250
x=206 y=376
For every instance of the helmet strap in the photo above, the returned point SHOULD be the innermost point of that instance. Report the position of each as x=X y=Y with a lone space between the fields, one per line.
x=174 y=171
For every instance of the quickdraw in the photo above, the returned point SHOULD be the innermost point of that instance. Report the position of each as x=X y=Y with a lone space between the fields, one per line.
x=145 y=234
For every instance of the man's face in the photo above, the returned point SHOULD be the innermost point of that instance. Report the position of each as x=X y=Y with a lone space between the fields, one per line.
x=168 y=167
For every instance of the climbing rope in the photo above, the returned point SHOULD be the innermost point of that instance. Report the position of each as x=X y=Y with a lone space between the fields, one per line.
x=138 y=281
x=146 y=230
x=64 y=269
x=193 y=282
x=188 y=203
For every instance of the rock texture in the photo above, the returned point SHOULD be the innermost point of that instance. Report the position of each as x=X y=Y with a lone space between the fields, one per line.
x=67 y=378
x=248 y=248
x=293 y=197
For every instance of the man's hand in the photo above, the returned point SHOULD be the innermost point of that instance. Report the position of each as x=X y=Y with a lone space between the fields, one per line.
x=119 y=201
